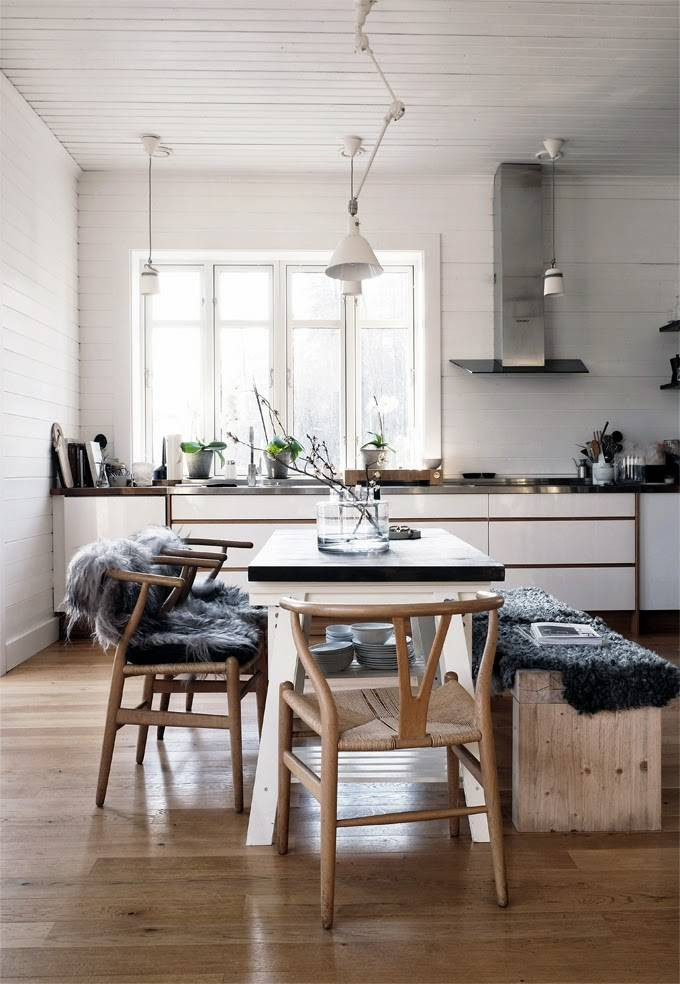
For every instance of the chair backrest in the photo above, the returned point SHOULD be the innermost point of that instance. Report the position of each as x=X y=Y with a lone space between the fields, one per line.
x=413 y=707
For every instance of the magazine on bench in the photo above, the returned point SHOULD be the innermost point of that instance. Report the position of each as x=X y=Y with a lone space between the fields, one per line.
x=563 y=634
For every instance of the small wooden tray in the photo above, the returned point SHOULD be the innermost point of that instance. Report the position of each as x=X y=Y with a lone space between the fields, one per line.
x=396 y=476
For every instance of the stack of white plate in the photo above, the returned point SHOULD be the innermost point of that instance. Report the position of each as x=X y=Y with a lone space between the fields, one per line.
x=381 y=656
x=334 y=656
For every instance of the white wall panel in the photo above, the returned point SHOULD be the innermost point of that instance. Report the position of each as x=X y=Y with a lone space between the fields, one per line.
x=618 y=293
x=39 y=354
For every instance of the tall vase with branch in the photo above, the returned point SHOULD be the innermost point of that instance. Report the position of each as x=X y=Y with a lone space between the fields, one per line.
x=353 y=519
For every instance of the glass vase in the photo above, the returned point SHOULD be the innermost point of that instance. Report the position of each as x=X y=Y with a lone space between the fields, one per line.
x=346 y=525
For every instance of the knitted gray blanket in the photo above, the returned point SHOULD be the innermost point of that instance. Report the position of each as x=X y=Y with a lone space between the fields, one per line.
x=619 y=674
x=213 y=623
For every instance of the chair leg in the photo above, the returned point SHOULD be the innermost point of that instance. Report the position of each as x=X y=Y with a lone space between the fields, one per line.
x=165 y=704
x=329 y=828
x=109 y=740
x=190 y=694
x=234 y=699
x=487 y=757
x=285 y=745
x=147 y=697
x=453 y=778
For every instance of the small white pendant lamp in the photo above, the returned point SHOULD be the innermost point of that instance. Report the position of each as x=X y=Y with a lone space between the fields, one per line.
x=353 y=259
x=553 y=278
x=149 y=281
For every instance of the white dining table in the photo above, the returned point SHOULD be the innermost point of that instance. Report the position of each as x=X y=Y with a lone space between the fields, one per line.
x=437 y=567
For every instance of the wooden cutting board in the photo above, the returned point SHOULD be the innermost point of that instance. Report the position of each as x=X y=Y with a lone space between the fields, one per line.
x=396 y=476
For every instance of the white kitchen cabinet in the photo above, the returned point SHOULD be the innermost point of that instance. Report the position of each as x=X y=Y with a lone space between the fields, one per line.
x=441 y=505
x=604 y=541
x=79 y=520
x=186 y=508
x=595 y=589
x=659 y=551
x=556 y=505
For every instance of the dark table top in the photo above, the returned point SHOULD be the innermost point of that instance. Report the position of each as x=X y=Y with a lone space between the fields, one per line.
x=293 y=555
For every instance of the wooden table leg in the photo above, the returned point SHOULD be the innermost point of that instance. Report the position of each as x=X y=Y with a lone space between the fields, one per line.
x=457 y=656
x=282 y=664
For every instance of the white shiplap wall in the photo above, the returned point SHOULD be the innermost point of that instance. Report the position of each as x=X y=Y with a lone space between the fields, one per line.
x=617 y=241
x=39 y=362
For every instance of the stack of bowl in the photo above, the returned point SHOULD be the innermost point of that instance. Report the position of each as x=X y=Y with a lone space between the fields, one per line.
x=337 y=652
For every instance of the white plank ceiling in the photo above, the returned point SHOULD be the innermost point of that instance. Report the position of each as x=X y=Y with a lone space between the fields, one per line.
x=270 y=86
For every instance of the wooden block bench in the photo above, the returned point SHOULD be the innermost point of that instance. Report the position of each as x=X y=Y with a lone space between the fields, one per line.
x=572 y=771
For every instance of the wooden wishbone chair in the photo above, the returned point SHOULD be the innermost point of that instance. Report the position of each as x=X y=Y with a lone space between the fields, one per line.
x=160 y=678
x=188 y=560
x=391 y=718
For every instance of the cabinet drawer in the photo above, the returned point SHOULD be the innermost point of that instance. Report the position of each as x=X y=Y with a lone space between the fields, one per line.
x=594 y=589
x=257 y=533
x=243 y=507
x=437 y=504
x=557 y=504
x=476 y=533
x=566 y=542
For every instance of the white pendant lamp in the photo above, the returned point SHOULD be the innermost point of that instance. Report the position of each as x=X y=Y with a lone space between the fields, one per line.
x=354 y=259
x=149 y=281
x=553 y=278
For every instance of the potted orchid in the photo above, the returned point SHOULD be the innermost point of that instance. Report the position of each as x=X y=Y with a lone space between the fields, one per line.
x=374 y=452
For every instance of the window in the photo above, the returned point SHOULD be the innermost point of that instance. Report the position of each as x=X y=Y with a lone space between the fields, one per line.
x=216 y=329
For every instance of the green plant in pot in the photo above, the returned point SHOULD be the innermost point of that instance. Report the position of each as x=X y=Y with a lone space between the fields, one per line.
x=374 y=452
x=280 y=453
x=199 y=456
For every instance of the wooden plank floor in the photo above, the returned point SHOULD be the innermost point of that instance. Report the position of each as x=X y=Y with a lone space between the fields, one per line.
x=158 y=886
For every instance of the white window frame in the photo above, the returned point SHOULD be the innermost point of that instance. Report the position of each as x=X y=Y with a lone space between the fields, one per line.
x=422 y=252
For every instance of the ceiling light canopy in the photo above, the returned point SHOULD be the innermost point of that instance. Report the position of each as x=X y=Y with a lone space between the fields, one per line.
x=149 y=281
x=354 y=259
x=553 y=278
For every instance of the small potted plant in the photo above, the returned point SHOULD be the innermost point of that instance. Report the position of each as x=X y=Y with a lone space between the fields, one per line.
x=374 y=452
x=199 y=456
x=280 y=453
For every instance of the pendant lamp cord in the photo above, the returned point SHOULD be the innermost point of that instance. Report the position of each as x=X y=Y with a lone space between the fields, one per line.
x=150 y=210
x=553 y=262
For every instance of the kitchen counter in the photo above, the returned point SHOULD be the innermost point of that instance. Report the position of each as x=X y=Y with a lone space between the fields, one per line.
x=549 y=484
x=483 y=487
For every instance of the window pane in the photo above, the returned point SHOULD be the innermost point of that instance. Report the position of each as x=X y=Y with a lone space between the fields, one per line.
x=179 y=298
x=386 y=298
x=385 y=363
x=177 y=399
x=316 y=388
x=244 y=361
x=314 y=296
x=244 y=294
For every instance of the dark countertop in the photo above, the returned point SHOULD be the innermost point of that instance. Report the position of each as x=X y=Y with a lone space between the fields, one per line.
x=137 y=490
x=550 y=485
x=293 y=555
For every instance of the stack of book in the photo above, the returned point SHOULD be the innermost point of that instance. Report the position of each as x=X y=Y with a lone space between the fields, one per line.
x=562 y=634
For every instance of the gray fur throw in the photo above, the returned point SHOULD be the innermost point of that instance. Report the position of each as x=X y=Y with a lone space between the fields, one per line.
x=618 y=675
x=213 y=623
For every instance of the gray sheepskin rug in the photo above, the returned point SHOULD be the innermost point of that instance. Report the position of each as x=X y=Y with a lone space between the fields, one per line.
x=213 y=623
x=615 y=676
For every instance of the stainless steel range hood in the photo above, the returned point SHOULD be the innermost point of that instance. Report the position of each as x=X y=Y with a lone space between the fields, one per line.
x=519 y=345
